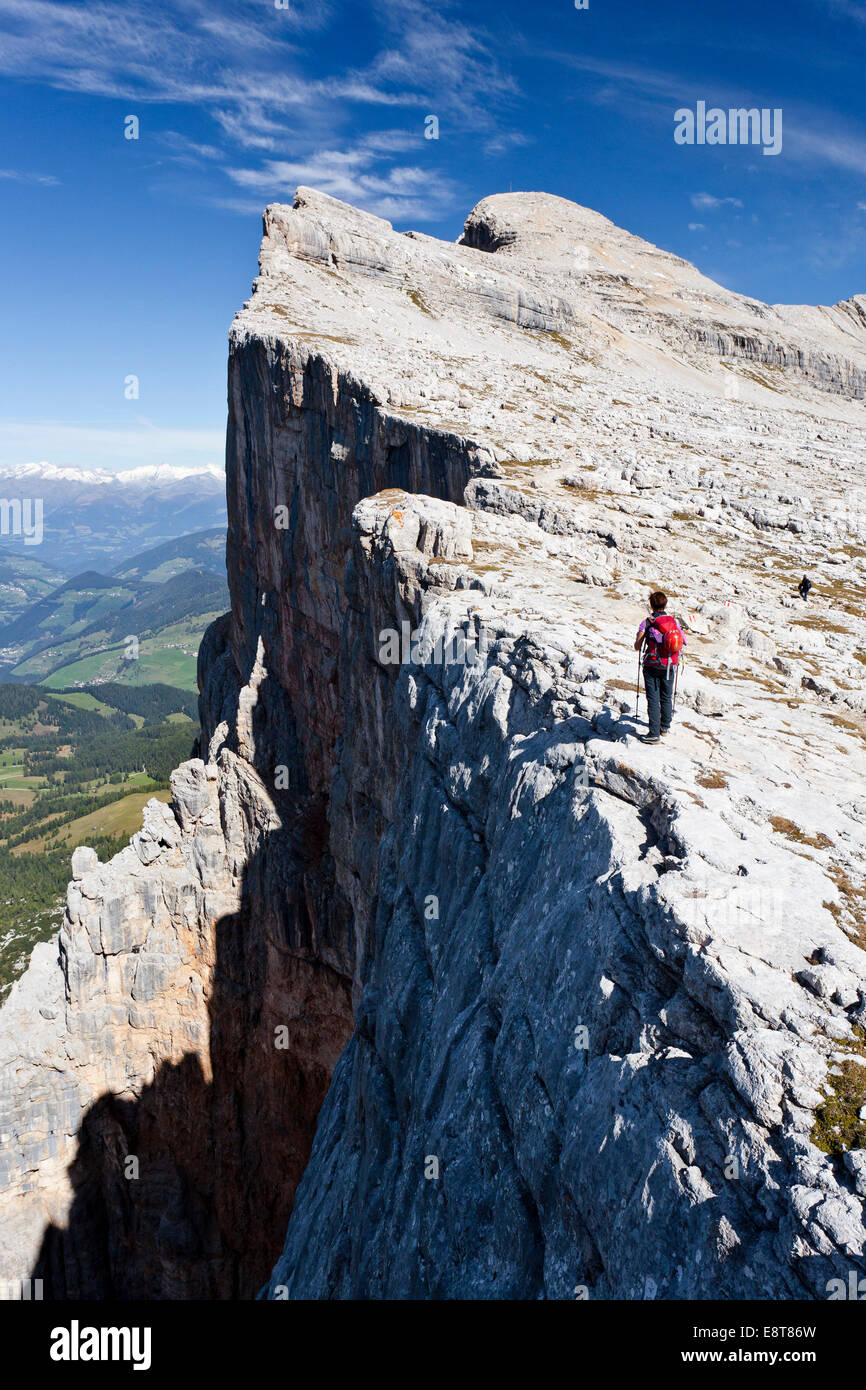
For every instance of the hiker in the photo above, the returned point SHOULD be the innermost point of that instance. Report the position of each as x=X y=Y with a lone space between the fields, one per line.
x=663 y=639
x=803 y=587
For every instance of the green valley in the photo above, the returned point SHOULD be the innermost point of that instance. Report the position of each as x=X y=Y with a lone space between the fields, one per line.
x=76 y=767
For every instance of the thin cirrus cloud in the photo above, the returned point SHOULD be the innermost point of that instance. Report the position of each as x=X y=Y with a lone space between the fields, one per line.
x=810 y=136
x=456 y=60
x=21 y=176
x=186 y=51
x=707 y=202
x=185 y=150
x=829 y=146
x=180 y=52
x=252 y=74
x=112 y=50
x=354 y=175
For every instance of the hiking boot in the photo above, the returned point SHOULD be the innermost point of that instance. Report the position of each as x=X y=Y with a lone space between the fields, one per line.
x=662 y=732
x=650 y=738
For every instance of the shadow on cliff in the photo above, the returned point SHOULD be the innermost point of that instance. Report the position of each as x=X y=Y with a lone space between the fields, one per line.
x=185 y=1191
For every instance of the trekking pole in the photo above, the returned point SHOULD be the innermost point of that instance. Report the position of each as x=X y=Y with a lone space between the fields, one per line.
x=637 y=686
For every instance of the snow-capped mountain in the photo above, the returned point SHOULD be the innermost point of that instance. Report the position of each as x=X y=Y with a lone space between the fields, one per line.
x=93 y=518
x=167 y=475
x=159 y=475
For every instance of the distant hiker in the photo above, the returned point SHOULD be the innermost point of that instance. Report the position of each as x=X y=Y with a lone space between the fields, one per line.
x=803 y=587
x=663 y=640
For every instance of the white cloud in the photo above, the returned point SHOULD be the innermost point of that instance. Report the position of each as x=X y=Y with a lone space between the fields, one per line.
x=826 y=145
x=697 y=227
x=355 y=175
x=812 y=135
x=507 y=140
x=188 y=51
x=706 y=201
x=185 y=149
x=21 y=177
x=248 y=67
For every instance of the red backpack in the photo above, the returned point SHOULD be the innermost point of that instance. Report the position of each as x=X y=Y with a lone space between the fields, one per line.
x=664 y=640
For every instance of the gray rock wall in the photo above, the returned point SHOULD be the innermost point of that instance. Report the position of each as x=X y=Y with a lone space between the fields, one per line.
x=566 y=1074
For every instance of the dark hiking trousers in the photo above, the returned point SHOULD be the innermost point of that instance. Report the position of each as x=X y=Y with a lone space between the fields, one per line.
x=659 y=682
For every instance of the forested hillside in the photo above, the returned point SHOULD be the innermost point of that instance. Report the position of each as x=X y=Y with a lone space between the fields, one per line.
x=97 y=628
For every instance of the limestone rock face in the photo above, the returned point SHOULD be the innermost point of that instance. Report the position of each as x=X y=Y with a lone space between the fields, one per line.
x=142 y=1085
x=589 y=1047
x=599 y=1007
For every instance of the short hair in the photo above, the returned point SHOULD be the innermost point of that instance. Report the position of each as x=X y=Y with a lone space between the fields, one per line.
x=658 y=601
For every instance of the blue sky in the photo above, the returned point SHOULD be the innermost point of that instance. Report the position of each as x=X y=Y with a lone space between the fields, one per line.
x=130 y=257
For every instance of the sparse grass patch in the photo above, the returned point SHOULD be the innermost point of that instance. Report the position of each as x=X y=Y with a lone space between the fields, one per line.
x=842 y=722
x=711 y=780
x=755 y=376
x=768 y=683
x=793 y=832
x=590 y=494
x=418 y=300
x=821 y=623
x=561 y=339
x=303 y=336
x=838 y=1126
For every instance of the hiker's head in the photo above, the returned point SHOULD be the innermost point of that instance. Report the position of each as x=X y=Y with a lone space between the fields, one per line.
x=658 y=601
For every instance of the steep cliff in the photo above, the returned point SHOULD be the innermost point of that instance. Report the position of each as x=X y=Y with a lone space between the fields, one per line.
x=599 y=1008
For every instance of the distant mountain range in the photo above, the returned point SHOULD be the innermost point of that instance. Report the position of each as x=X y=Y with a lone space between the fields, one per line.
x=93 y=519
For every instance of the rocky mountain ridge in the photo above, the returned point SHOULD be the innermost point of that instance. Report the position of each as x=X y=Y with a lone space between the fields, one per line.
x=599 y=1008
x=92 y=518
